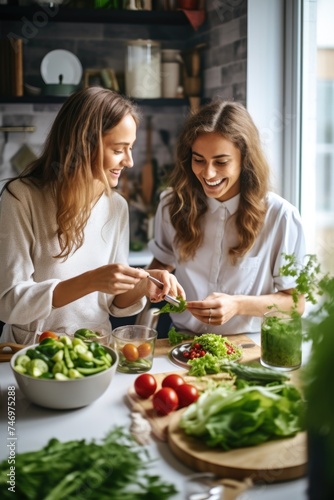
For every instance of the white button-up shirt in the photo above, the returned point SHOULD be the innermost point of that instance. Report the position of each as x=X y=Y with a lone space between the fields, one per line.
x=257 y=273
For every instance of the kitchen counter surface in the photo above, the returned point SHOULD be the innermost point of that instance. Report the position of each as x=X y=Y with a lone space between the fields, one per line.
x=34 y=426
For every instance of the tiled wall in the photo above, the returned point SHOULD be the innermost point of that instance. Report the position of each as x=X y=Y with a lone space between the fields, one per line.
x=223 y=59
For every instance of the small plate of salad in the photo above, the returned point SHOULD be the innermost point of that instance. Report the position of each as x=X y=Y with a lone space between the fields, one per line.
x=205 y=347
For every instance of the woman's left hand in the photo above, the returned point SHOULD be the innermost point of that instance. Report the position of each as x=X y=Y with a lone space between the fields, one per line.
x=170 y=286
x=215 y=309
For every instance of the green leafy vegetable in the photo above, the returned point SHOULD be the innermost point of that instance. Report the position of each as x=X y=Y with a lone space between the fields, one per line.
x=253 y=372
x=171 y=308
x=218 y=349
x=175 y=337
x=229 y=418
x=217 y=345
x=306 y=276
x=76 y=470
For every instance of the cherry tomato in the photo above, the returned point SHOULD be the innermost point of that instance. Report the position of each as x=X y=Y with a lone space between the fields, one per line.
x=144 y=350
x=173 y=380
x=165 y=401
x=187 y=394
x=145 y=385
x=130 y=352
x=48 y=334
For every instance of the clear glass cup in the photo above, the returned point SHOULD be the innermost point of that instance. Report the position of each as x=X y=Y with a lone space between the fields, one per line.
x=135 y=347
x=281 y=341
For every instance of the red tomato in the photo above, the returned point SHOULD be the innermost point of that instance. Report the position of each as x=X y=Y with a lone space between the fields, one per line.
x=187 y=394
x=145 y=385
x=173 y=380
x=46 y=335
x=165 y=401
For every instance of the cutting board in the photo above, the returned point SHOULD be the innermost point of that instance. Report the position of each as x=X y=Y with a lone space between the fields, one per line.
x=8 y=349
x=269 y=462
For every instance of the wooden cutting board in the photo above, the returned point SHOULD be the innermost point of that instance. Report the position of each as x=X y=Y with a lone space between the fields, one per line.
x=7 y=350
x=269 y=462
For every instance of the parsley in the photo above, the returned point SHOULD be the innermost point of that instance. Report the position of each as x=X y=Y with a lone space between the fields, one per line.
x=175 y=337
x=76 y=470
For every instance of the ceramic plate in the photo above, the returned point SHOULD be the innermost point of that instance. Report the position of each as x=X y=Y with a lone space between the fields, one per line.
x=61 y=62
x=176 y=355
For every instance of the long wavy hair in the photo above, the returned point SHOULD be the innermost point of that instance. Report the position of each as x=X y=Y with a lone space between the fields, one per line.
x=72 y=158
x=187 y=203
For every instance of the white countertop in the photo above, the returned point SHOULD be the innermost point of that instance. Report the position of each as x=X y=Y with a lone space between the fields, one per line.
x=34 y=427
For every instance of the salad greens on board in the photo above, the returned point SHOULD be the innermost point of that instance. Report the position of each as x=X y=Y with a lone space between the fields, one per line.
x=227 y=418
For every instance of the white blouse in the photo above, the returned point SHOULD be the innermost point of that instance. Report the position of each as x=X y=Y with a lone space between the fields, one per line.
x=257 y=273
x=29 y=272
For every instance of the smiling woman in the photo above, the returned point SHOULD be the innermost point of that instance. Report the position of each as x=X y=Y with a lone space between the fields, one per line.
x=220 y=228
x=70 y=227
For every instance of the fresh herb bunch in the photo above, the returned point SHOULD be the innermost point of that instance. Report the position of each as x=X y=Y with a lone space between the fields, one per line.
x=176 y=337
x=307 y=277
x=76 y=470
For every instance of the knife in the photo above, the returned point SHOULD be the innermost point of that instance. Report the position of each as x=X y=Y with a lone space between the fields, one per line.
x=167 y=298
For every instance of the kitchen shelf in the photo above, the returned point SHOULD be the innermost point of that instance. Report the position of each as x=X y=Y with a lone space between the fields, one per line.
x=45 y=99
x=67 y=14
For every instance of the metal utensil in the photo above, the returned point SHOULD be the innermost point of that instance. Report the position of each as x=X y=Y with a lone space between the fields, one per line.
x=167 y=298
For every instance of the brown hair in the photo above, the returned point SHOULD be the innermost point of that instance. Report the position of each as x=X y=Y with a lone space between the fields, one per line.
x=72 y=158
x=188 y=203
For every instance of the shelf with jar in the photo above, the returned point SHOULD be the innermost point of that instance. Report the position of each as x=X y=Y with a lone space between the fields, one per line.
x=58 y=13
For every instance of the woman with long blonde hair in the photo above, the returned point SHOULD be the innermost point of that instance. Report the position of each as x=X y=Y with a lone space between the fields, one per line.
x=64 y=229
x=221 y=229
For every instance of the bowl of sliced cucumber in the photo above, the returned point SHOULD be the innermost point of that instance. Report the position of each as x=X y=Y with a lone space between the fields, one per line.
x=64 y=373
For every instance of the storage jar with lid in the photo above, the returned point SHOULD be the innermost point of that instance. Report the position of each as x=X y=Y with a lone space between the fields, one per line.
x=143 y=67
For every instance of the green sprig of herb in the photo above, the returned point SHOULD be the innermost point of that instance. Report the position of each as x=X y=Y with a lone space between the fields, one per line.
x=117 y=468
x=307 y=277
x=176 y=337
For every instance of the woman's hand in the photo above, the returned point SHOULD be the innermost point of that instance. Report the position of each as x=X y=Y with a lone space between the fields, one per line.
x=115 y=279
x=171 y=286
x=216 y=309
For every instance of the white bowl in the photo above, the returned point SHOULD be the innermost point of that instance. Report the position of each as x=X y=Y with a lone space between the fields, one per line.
x=67 y=394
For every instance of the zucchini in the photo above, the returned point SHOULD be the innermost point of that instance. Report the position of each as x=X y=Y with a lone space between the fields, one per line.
x=253 y=372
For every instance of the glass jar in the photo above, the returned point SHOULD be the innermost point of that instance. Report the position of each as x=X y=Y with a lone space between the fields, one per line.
x=281 y=341
x=142 y=74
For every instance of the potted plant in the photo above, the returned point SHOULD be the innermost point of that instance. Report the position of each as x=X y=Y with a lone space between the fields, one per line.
x=281 y=331
x=317 y=376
